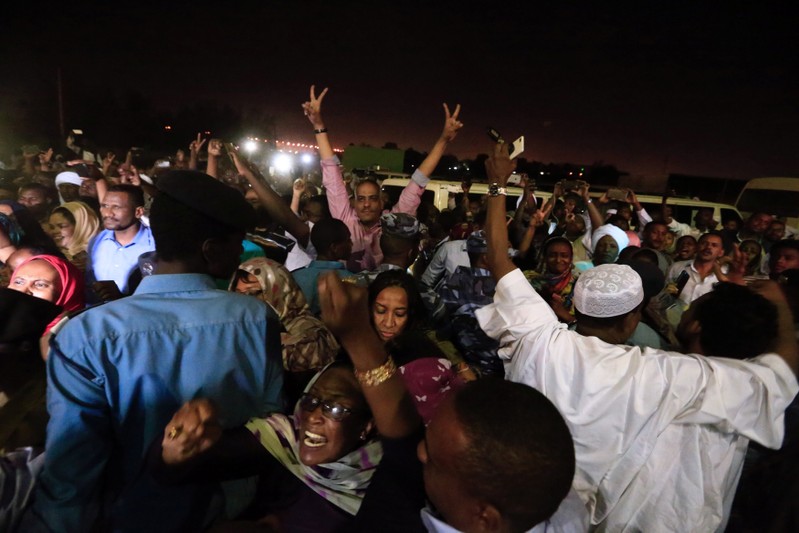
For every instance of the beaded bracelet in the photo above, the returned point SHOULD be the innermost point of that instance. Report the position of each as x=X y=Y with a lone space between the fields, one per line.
x=376 y=376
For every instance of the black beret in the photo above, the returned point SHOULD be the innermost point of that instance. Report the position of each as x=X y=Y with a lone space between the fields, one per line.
x=652 y=277
x=208 y=196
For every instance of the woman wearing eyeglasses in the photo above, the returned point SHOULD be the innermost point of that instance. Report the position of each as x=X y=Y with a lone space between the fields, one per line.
x=315 y=465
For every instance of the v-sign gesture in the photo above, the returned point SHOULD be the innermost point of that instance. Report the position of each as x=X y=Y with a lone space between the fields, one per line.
x=451 y=123
x=313 y=108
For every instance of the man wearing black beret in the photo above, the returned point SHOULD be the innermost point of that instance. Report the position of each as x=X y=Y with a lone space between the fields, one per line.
x=117 y=372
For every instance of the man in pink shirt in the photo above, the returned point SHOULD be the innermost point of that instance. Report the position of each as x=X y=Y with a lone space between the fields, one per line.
x=363 y=216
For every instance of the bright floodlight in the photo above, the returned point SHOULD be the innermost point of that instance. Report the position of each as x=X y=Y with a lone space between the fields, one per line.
x=283 y=163
x=307 y=158
x=251 y=146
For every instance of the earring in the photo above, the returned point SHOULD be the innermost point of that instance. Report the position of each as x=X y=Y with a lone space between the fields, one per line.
x=363 y=435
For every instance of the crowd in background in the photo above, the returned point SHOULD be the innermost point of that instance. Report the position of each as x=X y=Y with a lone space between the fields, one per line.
x=185 y=349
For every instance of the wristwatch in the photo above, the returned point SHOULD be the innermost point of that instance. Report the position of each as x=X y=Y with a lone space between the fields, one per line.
x=495 y=190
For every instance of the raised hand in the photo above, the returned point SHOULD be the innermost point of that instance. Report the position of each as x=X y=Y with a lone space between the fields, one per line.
x=192 y=430
x=299 y=186
x=194 y=146
x=344 y=306
x=242 y=165
x=313 y=108
x=214 y=148
x=499 y=165
x=451 y=123
x=46 y=157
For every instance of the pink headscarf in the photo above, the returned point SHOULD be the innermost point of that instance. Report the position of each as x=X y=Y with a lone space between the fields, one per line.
x=72 y=297
x=634 y=239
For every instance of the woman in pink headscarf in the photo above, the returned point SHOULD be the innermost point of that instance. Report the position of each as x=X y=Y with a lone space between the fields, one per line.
x=53 y=279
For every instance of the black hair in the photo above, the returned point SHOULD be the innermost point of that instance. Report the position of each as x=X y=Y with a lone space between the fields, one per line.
x=711 y=234
x=393 y=245
x=447 y=219
x=736 y=322
x=36 y=186
x=646 y=254
x=136 y=194
x=327 y=232
x=522 y=462
x=320 y=199
x=654 y=223
x=403 y=280
x=784 y=243
x=604 y=323
x=616 y=219
x=180 y=231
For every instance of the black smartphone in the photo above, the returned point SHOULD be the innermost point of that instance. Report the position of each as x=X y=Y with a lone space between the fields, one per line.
x=136 y=156
x=682 y=279
x=495 y=135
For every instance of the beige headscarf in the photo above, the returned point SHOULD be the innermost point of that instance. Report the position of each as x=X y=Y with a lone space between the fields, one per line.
x=86 y=225
x=307 y=343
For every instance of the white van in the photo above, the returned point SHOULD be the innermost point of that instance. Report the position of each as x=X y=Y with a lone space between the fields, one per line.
x=776 y=196
x=437 y=191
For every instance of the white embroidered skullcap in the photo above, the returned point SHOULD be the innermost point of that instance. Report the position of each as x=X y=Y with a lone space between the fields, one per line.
x=616 y=232
x=68 y=177
x=608 y=290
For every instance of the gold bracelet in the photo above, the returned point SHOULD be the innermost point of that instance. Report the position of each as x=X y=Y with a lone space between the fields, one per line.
x=376 y=376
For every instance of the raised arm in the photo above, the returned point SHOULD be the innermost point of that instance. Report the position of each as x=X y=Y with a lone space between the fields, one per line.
x=499 y=167
x=194 y=151
x=593 y=211
x=214 y=153
x=296 y=195
x=271 y=201
x=337 y=197
x=345 y=312
x=313 y=110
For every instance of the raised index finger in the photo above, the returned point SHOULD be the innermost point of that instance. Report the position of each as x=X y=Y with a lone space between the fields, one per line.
x=322 y=95
x=457 y=112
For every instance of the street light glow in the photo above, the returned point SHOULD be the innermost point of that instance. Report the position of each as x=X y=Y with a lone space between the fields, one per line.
x=250 y=146
x=283 y=163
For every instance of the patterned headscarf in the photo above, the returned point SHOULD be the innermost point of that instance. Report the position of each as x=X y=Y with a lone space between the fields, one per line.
x=307 y=343
x=342 y=483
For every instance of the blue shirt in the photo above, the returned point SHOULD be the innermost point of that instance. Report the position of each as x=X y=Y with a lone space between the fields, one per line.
x=116 y=375
x=306 y=279
x=109 y=260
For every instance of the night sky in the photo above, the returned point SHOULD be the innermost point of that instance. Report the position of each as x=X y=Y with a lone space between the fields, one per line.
x=706 y=88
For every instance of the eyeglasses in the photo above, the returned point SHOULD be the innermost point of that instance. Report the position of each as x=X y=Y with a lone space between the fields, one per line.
x=332 y=410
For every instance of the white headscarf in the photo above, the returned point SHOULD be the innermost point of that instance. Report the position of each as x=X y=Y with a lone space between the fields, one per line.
x=617 y=233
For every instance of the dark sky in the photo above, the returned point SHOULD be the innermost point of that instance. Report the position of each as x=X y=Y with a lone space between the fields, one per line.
x=704 y=88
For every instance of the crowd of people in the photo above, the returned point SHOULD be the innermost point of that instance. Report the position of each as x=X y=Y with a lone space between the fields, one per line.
x=183 y=349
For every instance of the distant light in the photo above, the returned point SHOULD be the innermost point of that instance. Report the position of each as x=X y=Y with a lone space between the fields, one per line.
x=307 y=159
x=283 y=163
x=250 y=146
x=167 y=128
x=542 y=172
x=208 y=133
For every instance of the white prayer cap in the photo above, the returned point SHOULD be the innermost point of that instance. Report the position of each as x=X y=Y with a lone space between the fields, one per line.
x=608 y=291
x=68 y=177
x=617 y=233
